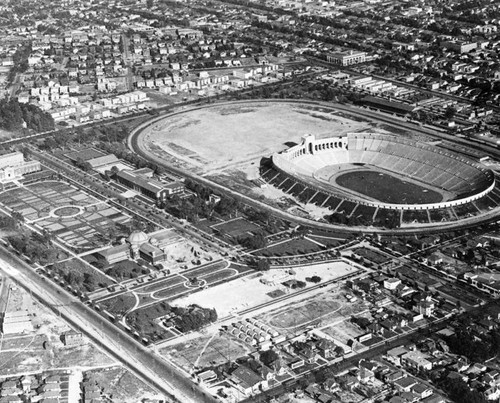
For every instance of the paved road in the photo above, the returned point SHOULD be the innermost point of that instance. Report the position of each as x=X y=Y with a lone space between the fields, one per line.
x=72 y=175
x=168 y=380
x=369 y=354
x=349 y=70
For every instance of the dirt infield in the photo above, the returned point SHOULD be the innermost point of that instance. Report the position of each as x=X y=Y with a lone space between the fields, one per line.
x=308 y=313
x=222 y=136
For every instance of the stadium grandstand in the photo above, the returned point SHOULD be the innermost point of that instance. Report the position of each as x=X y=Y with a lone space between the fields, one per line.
x=371 y=179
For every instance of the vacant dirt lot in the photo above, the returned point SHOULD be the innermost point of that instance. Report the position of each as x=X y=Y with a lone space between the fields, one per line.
x=205 y=351
x=222 y=136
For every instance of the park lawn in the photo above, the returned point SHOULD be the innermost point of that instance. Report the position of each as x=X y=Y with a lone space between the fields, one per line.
x=119 y=305
x=236 y=228
x=144 y=320
x=79 y=275
x=125 y=270
x=298 y=246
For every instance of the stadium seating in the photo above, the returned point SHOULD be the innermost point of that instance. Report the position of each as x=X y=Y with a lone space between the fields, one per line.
x=419 y=161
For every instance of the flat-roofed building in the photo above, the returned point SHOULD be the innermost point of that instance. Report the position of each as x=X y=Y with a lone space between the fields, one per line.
x=13 y=167
x=459 y=46
x=148 y=186
x=72 y=338
x=151 y=254
x=416 y=360
x=104 y=160
x=346 y=58
x=115 y=254
x=16 y=322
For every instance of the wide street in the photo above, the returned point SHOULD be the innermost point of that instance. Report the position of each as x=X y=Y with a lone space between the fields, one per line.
x=168 y=380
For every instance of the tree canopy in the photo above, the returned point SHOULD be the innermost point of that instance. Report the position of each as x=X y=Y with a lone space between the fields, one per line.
x=13 y=116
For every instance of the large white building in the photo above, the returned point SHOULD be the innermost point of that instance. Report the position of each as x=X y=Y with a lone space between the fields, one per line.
x=347 y=58
x=13 y=167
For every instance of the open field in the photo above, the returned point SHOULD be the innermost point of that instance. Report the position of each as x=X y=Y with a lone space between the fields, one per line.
x=122 y=385
x=308 y=313
x=221 y=136
x=319 y=310
x=343 y=331
x=76 y=218
x=291 y=247
x=387 y=188
x=152 y=298
x=206 y=351
x=256 y=289
x=236 y=228
x=43 y=349
x=120 y=304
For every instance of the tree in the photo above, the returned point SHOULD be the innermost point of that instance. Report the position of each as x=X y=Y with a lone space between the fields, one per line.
x=13 y=116
x=74 y=278
x=258 y=241
x=268 y=357
x=314 y=279
x=263 y=265
x=450 y=112
x=89 y=281
x=8 y=223
x=459 y=391
x=16 y=215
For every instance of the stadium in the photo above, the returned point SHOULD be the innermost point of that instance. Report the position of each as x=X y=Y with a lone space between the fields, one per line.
x=383 y=180
x=372 y=176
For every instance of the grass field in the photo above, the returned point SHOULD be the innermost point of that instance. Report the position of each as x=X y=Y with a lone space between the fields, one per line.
x=120 y=304
x=289 y=248
x=144 y=320
x=387 y=188
x=235 y=228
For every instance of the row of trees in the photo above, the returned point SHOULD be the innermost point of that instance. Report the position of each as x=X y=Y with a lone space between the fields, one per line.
x=465 y=343
x=37 y=247
x=124 y=271
x=77 y=276
x=252 y=242
x=20 y=59
x=8 y=223
x=193 y=317
x=198 y=206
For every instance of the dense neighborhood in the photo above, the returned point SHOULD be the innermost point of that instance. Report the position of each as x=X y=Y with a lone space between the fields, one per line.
x=175 y=225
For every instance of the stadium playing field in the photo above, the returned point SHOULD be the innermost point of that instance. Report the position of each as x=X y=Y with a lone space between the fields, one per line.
x=387 y=188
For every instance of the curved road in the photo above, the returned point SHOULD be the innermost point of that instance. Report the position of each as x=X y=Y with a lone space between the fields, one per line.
x=141 y=361
x=136 y=144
